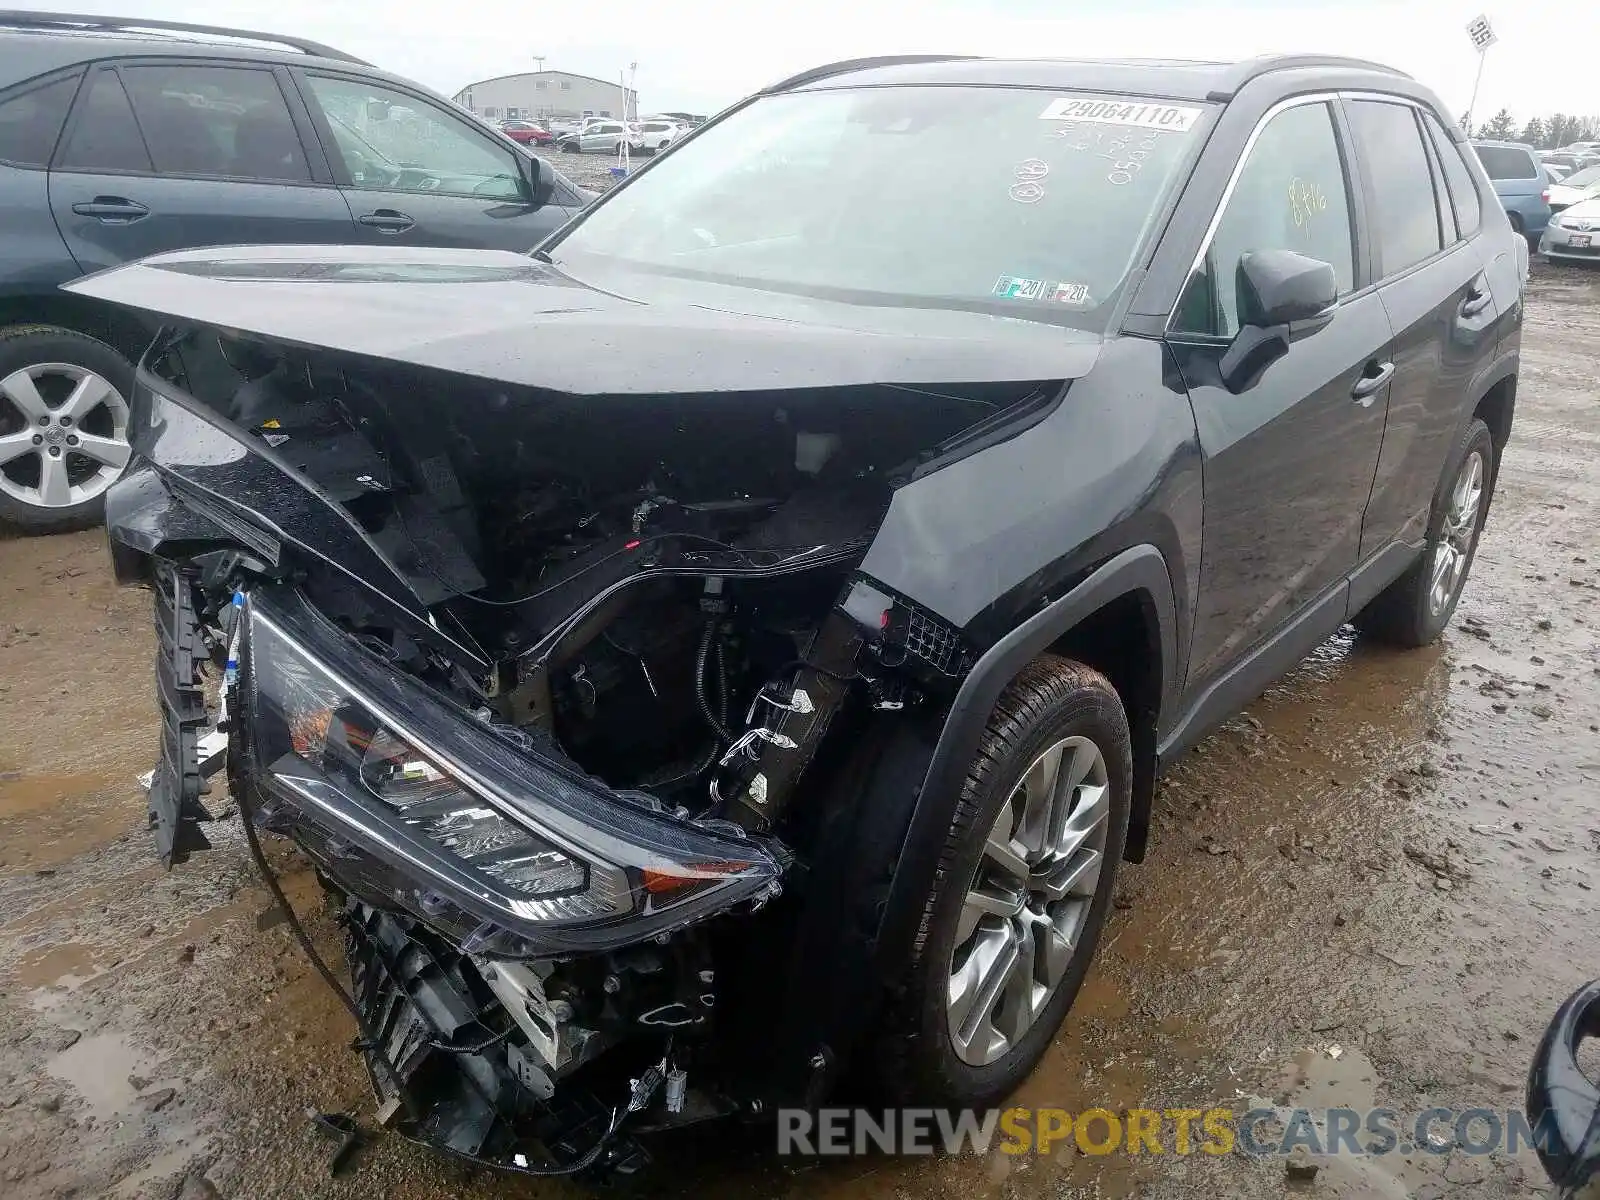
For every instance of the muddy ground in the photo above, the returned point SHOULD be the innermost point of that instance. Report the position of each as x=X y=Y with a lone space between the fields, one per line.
x=1393 y=855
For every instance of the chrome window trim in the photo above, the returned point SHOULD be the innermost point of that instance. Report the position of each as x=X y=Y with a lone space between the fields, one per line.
x=1233 y=181
x=1244 y=157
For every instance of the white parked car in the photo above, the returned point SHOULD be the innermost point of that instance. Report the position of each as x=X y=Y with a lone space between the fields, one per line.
x=1580 y=185
x=601 y=137
x=656 y=136
x=1574 y=233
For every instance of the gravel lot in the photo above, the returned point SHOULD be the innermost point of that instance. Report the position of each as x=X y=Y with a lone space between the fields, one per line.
x=592 y=171
x=1393 y=853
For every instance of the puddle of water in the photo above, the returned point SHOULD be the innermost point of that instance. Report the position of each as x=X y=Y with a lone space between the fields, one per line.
x=97 y=1069
x=64 y=966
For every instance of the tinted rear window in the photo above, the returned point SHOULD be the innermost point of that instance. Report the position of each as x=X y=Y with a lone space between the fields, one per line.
x=104 y=135
x=228 y=121
x=30 y=123
x=1401 y=183
x=1463 y=191
x=1506 y=162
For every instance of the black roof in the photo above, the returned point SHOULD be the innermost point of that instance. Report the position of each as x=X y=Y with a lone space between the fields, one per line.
x=1175 y=79
x=33 y=43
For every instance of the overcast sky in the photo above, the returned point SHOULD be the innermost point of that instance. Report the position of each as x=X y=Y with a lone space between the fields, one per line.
x=698 y=56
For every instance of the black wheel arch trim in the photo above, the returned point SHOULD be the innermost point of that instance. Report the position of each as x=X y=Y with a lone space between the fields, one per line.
x=1138 y=569
x=1504 y=367
x=1561 y=1099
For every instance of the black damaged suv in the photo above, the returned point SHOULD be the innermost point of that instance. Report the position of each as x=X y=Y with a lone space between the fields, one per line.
x=730 y=650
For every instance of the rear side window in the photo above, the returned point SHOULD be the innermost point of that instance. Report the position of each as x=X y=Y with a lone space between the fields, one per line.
x=1447 y=213
x=31 y=122
x=229 y=121
x=104 y=136
x=1507 y=162
x=1400 y=182
x=1457 y=176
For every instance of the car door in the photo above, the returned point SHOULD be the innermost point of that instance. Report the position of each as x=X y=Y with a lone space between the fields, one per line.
x=1288 y=459
x=162 y=155
x=1434 y=287
x=415 y=173
x=601 y=138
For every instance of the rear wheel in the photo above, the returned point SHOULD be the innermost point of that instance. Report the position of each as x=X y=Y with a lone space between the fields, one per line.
x=63 y=427
x=1414 y=609
x=1023 y=889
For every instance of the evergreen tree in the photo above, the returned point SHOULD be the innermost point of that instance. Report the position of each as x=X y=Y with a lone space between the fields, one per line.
x=1500 y=126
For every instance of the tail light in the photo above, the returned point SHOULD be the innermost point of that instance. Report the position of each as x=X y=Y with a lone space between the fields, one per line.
x=1545 y=195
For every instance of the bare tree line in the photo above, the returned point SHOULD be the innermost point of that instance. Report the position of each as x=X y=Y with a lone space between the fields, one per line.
x=1543 y=133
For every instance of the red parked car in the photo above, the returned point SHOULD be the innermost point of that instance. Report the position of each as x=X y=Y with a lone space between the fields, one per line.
x=527 y=133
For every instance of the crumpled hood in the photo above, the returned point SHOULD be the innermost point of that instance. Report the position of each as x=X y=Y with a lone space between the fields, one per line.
x=514 y=319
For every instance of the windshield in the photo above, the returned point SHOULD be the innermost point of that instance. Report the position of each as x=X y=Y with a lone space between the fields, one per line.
x=1583 y=178
x=1018 y=201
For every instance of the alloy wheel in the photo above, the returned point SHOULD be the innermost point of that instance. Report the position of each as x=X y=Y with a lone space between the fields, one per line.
x=63 y=435
x=1447 y=567
x=1029 y=900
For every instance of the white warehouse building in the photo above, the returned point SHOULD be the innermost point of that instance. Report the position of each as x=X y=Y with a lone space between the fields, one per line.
x=547 y=96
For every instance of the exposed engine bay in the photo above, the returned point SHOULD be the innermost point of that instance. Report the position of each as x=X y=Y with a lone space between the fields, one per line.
x=649 y=601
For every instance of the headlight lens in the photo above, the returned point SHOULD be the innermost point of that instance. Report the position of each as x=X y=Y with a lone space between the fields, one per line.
x=511 y=836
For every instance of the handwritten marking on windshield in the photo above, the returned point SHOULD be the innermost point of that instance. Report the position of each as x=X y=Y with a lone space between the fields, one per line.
x=1306 y=200
x=1029 y=188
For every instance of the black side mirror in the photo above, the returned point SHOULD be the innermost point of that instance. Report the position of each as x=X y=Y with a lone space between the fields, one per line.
x=1282 y=296
x=537 y=178
x=1279 y=287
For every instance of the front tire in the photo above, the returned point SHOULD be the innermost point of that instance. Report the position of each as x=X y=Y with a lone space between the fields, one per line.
x=1414 y=610
x=1023 y=888
x=63 y=427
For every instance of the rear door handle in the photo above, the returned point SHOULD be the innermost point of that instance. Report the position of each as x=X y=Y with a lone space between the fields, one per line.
x=112 y=210
x=387 y=220
x=1477 y=300
x=1372 y=382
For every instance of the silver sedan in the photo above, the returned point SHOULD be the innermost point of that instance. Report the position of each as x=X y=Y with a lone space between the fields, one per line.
x=1574 y=232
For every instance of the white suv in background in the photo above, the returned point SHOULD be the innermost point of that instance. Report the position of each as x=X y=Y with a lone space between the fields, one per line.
x=658 y=133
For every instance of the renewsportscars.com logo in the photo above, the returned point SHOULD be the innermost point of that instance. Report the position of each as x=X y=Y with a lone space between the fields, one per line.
x=1260 y=1132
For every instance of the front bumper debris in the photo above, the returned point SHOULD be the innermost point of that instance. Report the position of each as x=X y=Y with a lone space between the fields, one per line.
x=447 y=1067
x=190 y=751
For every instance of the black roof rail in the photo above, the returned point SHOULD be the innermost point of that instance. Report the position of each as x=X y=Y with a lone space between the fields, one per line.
x=862 y=64
x=22 y=19
x=1253 y=68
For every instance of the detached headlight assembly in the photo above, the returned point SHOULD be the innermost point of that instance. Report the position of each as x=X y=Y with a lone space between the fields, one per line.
x=520 y=841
